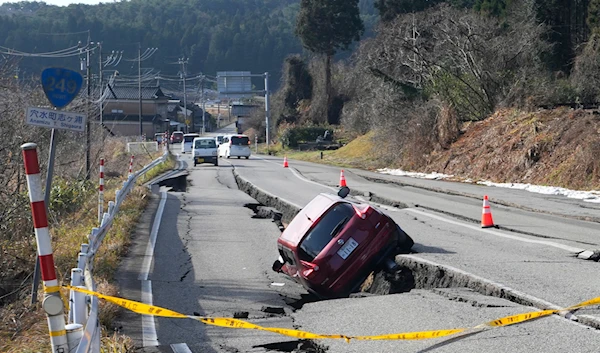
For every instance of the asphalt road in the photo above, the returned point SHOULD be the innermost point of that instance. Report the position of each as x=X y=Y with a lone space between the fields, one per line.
x=212 y=258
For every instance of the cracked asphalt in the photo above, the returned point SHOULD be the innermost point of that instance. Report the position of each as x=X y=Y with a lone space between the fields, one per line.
x=213 y=258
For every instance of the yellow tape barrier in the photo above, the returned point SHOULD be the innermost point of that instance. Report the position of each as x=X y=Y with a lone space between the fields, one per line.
x=145 y=309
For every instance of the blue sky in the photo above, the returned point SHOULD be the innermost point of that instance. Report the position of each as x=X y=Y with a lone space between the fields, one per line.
x=65 y=2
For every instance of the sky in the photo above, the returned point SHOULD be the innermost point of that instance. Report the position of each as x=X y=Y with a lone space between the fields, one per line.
x=64 y=2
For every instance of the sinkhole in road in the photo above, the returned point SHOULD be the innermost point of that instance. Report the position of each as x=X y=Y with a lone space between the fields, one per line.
x=408 y=275
x=412 y=272
x=295 y=346
x=177 y=184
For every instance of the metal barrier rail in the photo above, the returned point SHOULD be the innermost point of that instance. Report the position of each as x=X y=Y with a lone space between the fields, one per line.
x=83 y=309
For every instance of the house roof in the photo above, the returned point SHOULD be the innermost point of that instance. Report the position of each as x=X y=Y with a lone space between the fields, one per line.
x=133 y=93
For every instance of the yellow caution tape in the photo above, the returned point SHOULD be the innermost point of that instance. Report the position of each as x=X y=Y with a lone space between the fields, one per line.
x=146 y=309
x=51 y=289
x=517 y=319
x=411 y=335
x=582 y=304
x=136 y=307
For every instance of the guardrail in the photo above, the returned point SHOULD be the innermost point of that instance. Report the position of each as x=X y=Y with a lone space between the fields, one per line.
x=83 y=331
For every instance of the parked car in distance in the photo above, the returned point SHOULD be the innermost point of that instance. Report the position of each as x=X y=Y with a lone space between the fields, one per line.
x=176 y=137
x=235 y=146
x=204 y=150
x=186 y=142
x=332 y=245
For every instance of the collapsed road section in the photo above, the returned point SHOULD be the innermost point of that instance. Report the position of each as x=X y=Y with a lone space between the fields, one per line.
x=414 y=272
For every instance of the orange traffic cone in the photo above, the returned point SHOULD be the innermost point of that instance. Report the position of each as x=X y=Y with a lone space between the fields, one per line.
x=285 y=162
x=486 y=215
x=342 y=179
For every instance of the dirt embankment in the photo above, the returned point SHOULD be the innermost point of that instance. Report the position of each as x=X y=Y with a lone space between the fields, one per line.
x=558 y=147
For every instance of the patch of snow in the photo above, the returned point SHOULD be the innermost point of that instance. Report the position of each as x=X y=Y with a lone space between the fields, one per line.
x=587 y=196
x=432 y=176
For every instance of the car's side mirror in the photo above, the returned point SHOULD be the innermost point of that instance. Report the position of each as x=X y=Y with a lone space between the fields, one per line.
x=277 y=265
x=343 y=192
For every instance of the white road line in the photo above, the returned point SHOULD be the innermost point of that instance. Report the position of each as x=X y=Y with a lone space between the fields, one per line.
x=496 y=233
x=443 y=219
x=180 y=348
x=301 y=177
x=149 y=336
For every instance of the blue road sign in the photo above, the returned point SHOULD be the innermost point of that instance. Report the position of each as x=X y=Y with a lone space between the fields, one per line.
x=61 y=85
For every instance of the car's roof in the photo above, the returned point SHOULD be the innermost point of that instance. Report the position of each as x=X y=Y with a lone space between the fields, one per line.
x=178 y=132
x=204 y=138
x=307 y=215
x=191 y=135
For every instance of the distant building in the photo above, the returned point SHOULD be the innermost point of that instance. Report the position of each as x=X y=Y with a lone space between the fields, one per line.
x=121 y=111
x=241 y=113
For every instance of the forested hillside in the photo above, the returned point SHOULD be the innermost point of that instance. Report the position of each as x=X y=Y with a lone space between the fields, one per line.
x=216 y=35
x=434 y=69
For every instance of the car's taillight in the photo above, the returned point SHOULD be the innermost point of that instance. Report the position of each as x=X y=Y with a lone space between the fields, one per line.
x=363 y=211
x=311 y=268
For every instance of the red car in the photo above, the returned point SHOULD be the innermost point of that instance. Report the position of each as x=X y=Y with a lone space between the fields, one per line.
x=332 y=244
x=176 y=137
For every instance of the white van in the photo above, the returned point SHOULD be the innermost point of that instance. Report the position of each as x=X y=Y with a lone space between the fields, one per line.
x=235 y=146
x=186 y=143
x=204 y=150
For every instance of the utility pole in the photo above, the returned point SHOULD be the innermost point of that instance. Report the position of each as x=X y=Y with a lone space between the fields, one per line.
x=101 y=88
x=267 y=108
x=140 y=85
x=183 y=75
x=203 y=106
x=87 y=109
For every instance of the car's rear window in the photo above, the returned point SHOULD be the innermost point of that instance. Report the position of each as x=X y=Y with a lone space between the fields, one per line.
x=189 y=138
x=329 y=225
x=205 y=143
x=239 y=140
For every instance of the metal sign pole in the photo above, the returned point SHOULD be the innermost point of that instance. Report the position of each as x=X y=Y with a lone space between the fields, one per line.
x=60 y=86
x=267 y=107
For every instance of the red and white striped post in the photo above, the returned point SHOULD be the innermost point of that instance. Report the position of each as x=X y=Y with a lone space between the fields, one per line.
x=131 y=165
x=52 y=304
x=101 y=192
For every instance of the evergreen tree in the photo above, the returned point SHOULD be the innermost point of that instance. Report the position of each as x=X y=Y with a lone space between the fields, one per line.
x=325 y=27
x=593 y=16
x=389 y=9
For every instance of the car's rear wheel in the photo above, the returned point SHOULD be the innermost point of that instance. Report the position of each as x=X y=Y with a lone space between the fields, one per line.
x=247 y=157
x=216 y=162
x=239 y=157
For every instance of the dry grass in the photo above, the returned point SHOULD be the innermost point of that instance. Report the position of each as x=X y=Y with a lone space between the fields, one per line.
x=23 y=328
x=549 y=147
x=359 y=153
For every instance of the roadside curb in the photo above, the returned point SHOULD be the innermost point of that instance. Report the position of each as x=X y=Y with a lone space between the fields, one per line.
x=428 y=275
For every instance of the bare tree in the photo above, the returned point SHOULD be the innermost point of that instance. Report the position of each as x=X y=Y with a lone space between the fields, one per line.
x=586 y=72
x=471 y=61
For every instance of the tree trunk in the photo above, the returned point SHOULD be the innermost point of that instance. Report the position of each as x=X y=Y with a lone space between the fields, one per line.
x=328 y=87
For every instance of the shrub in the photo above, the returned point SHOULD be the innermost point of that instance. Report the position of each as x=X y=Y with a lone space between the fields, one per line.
x=291 y=136
x=68 y=195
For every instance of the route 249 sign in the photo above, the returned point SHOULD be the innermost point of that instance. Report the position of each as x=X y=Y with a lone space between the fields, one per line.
x=61 y=85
